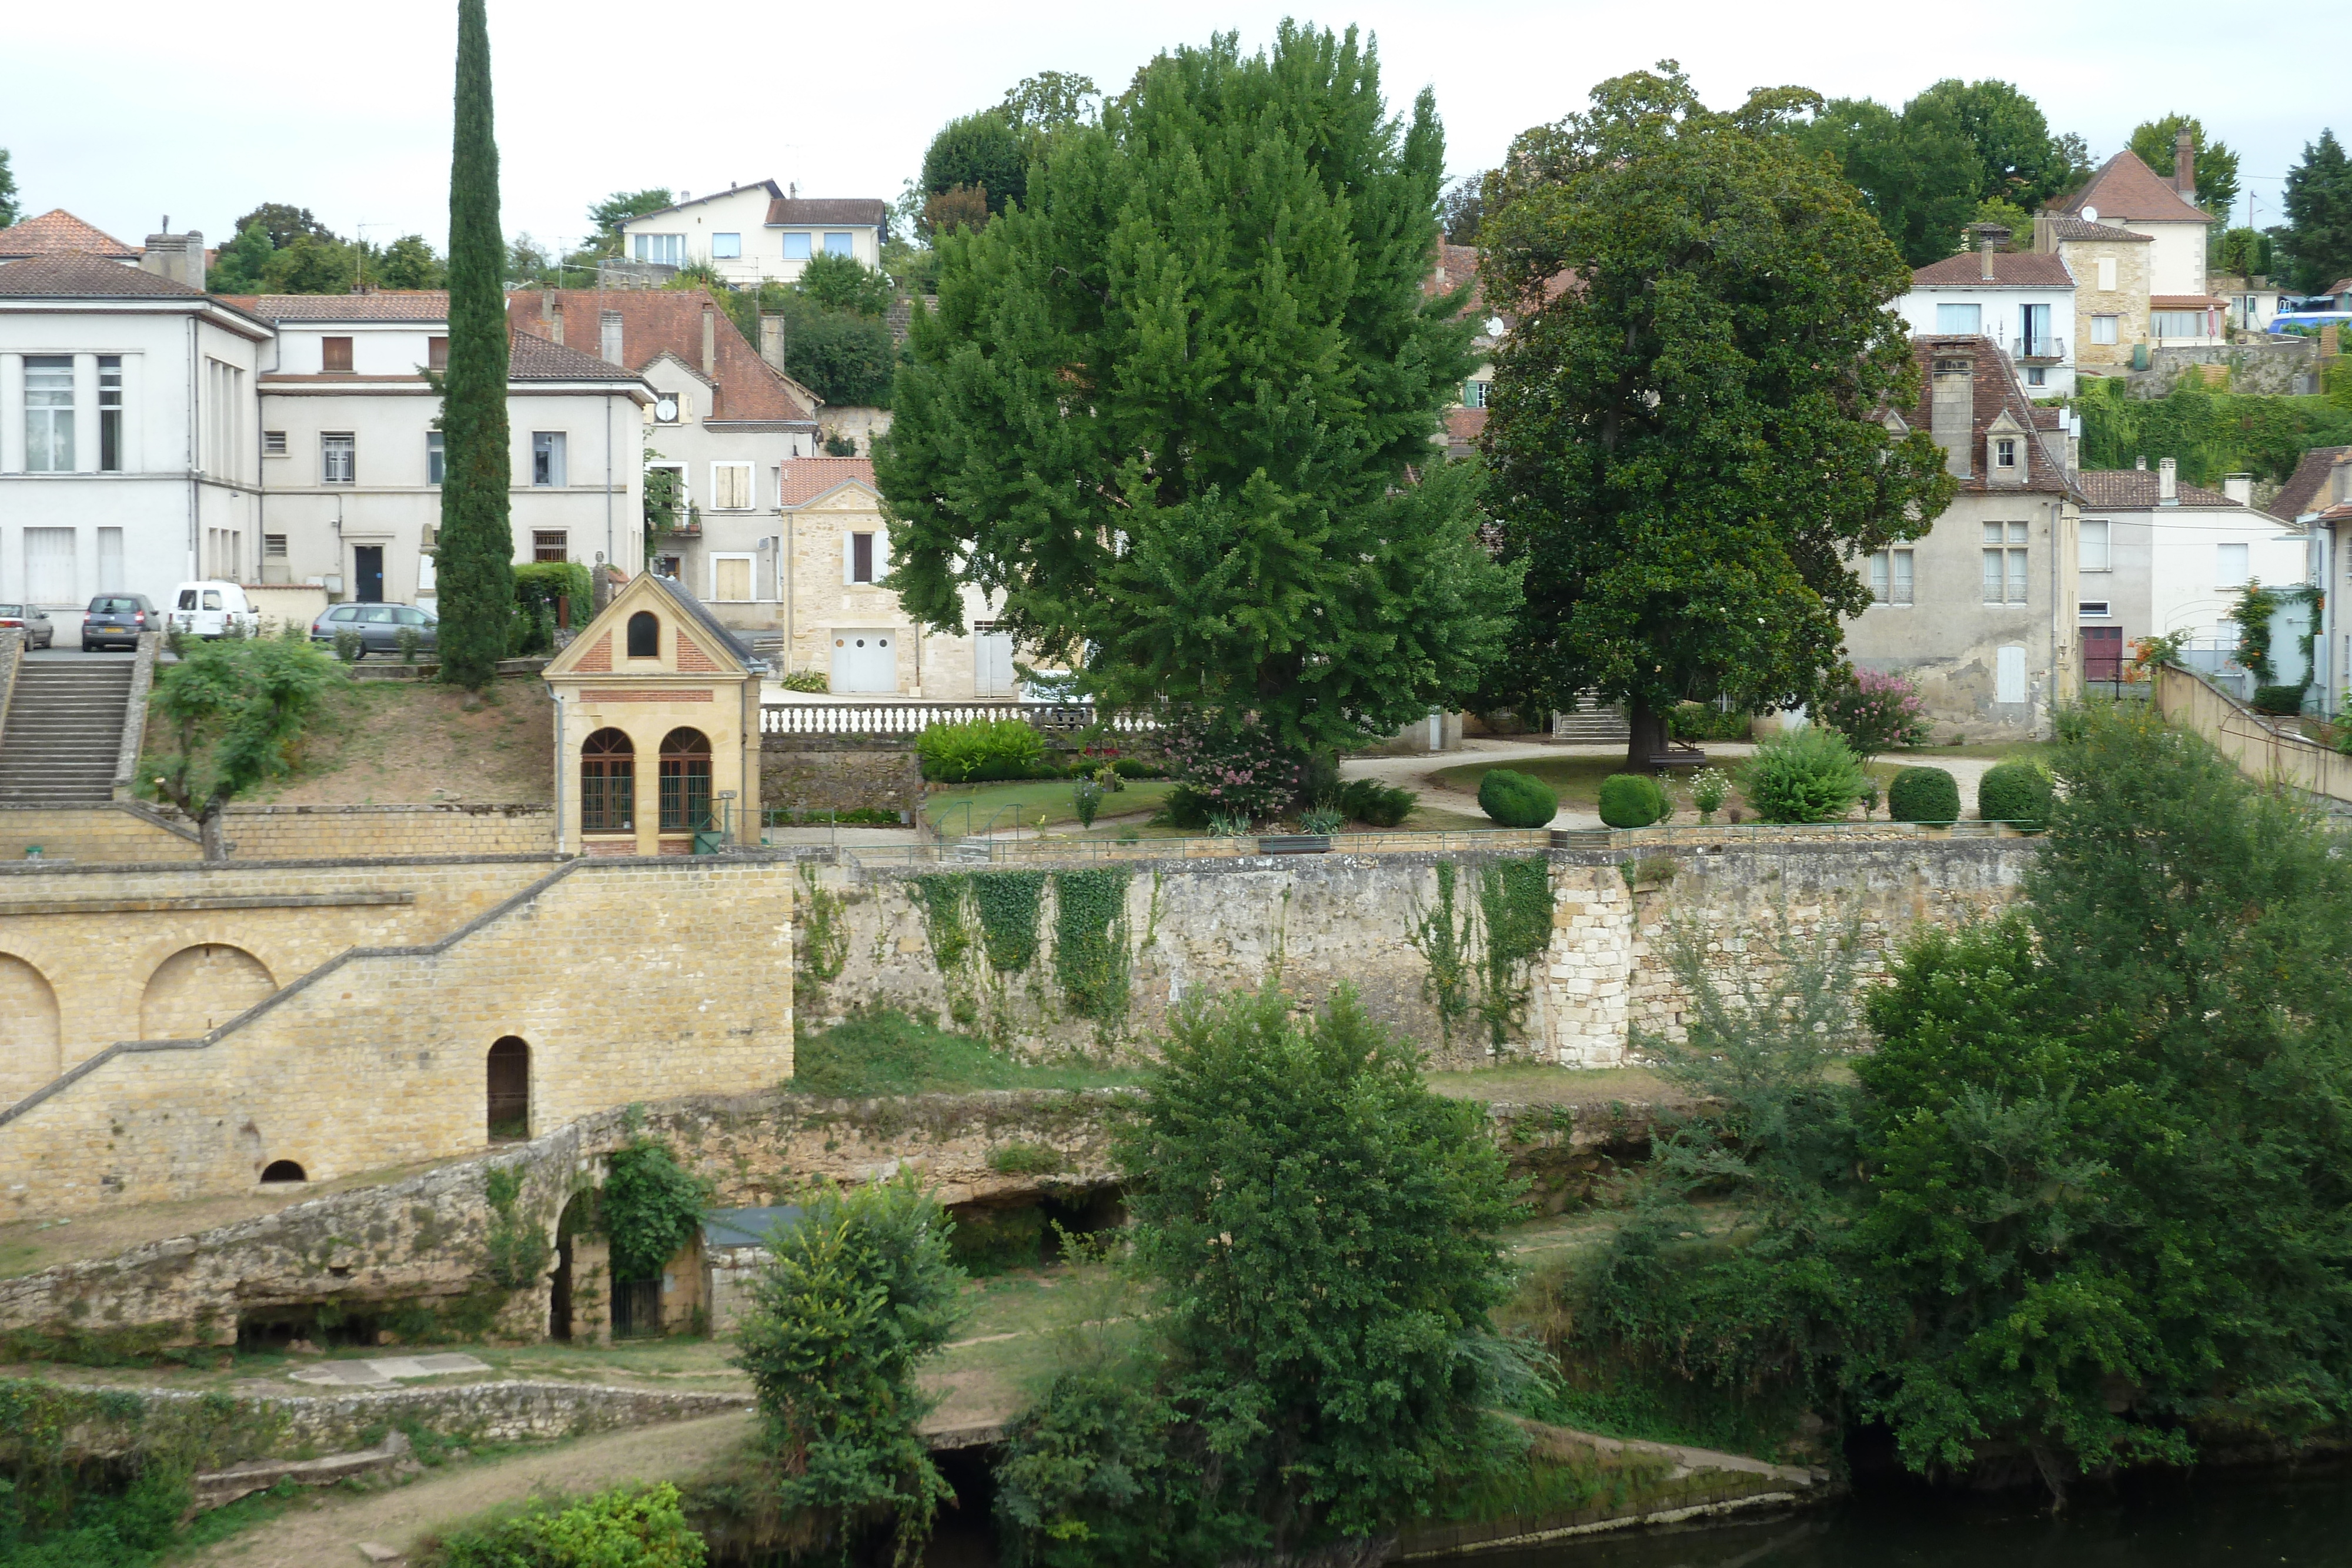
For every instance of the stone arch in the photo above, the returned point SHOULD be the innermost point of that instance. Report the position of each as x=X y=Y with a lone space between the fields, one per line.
x=28 y=1030
x=199 y=988
x=284 y=1170
x=686 y=782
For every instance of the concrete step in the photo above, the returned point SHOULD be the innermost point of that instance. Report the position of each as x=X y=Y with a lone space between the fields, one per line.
x=63 y=735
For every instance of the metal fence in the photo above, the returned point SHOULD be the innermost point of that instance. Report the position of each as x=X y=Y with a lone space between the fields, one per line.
x=911 y=718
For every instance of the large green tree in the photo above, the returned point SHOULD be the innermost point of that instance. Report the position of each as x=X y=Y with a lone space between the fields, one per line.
x=2018 y=160
x=476 y=564
x=284 y=222
x=2318 y=235
x=984 y=151
x=8 y=210
x=1178 y=410
x=608 y=215
x=1918 y=172
x=1686 y=427
x=2215 y=165
x=231 y=712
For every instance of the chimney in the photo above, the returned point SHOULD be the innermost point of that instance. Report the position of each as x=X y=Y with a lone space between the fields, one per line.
x=2167 y=482
x=2140 y=464
x=179 y=257
x=2239 y=487
x=709 y=340
x=609 y=348
x=1991 y=237
x=2184 y=167
x=2339 y=480
x=771 y=342
x=1952 y=411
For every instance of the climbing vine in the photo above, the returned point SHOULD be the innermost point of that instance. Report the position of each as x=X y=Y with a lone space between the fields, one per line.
x=651 y=1206
x=1514 y=903
x=1090 y=941
x=825 y=945
x=515 y=1246
x=1445 y=945
x=940 y=898
x=1007 y=903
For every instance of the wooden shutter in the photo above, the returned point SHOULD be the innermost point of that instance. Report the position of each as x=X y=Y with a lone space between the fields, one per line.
x=734 y=580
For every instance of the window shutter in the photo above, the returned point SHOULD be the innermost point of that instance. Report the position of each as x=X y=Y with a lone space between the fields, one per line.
x=881 y=554
x=2108 y=274
x=848 y=559
x=2009 y=675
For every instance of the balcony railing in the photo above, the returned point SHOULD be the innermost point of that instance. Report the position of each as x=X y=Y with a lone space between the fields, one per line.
x=907 y=718
x=2040 y=351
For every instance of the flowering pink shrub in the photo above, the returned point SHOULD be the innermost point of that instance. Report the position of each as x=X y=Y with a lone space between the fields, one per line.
x=1234 y=764
x=1875 y=712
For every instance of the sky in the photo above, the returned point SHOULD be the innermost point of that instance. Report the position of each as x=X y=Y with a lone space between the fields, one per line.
x=141 y=110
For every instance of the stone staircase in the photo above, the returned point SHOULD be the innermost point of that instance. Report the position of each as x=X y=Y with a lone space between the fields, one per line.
x=64 y=732
x=1591 y=725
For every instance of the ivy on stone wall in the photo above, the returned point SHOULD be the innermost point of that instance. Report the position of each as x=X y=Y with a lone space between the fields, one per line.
x=1090 y=941
x=1007 y=903
x=1515 y=906
x=940 y=898
x=1444 y=943
x=514 y=1248
x=651 y=1206
x=824 y=946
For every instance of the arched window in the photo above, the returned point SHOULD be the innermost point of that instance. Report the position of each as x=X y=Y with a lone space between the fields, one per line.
x=645 y=635
x=608 y=782
x=685 y=781
x=283 y=1170
x=509 y=1088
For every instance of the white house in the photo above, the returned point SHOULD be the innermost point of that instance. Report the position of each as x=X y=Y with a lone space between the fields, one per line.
x=128 y=432
x=2023 y=301
x=749 y=232
x=2319 y=497
x=2128 y=195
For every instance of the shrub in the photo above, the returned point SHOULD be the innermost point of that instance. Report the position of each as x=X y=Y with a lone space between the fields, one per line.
x=1631 y=801
x=1710 y=788
x=1239 y=764
x=2015 y=792
x=651 y=1206
x=980 y=748
x=1085 y=799
x=1808 y=775
x=2283 y=701
x=350 y=647
x=806 y=681
x=1704 y=721
x=1375 y=804
x=1923 y=795
x=1875 y=712
x=618 y=1528
x=1187 y=809
x=1517 y=799
x=1321 y=819
x=1136 y=767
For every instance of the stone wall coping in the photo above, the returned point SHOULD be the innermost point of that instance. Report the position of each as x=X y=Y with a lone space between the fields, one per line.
x=134 y=716
x=354 y=862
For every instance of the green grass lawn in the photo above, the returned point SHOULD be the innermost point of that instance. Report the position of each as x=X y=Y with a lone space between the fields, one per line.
x=890 y=1053
x=1046 y=799
x=1576 y=778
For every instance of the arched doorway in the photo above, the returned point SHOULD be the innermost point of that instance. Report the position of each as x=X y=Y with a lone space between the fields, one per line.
x=199 y=988
x=283 y=1170
x=608 y=783
x=28 y=1030
x=576 y=1218
x=509 y=1090
x=686 y=782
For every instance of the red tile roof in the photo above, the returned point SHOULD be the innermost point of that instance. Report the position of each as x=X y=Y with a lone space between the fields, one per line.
x=384 y=305
x=2128 y=190
x=1463 y=426
x=2306 y=488
x=80 y=274
x=2134 y=490
x=804 y=479
x=815 y=210
x=532 y=359
x=656 y=322
x=1996 y=388
x=2010 y=269
x=58 y=232
x=2075 y=228
x=767 y=185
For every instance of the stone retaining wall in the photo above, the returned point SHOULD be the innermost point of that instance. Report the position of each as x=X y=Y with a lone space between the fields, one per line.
x=132 y=833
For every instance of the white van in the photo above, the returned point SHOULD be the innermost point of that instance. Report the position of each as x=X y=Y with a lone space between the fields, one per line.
x=210 y=609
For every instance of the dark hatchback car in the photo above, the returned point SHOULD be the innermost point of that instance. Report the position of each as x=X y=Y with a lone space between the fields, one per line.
x=41 y=632
x=115 y=621
x=378 y=626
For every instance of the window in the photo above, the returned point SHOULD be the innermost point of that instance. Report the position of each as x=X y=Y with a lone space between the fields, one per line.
x=337 y=458
x=437 y=354
x=645 y=635
x=726 y=247
x=437 y=458
x=109 y=414
x=2037 y=376
x=2230 y=565
x=685 y=781
x=839 y=244
x=2004 y=564
x=1473 y=394
x=2004 y=452
x=2009 y=675
x=335 y=356
x=2102 y=329
x=608 y=776
x=2092 y=609
x=859 y=559
x=50 y=575
x=2033 y=338
x=2177 y=323
x=796 y=246
x=1957 y=321
x=224 y=418
x=273 y=547
x=731 y=578
x=547 y=459
x=48 y=416
x=1890 y=577
x=2106 y=271
x=2096 y=535
x=550 y=544
x=273 y=443
x=667 y=250
x=731 y=487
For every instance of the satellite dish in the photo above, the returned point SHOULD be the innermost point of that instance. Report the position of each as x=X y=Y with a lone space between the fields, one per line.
x=1494 y=326
x=2090 y=214
x=665 y=410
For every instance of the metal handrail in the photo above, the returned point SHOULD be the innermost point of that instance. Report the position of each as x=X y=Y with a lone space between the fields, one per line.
x=909 y=718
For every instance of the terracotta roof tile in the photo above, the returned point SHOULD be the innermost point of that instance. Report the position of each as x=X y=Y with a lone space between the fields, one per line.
x=767 y=185
x=804 y=479
x=1463 y=426
x=2186 y=302
x=815 y=210
x=2010 y=269
x=2135 y=489
x=1996 y=388
x=58 y=232
x=530 y=358
x=81 y=275
x=657 y=322
x=384 y=305
x=2129 y=190
x=2075 y=228
x=2307 y=487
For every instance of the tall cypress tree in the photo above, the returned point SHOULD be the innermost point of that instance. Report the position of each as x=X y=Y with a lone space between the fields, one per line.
x=476 y=556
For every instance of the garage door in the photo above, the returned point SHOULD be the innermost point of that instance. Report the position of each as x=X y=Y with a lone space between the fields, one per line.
x=865 y=662
x=49 y=566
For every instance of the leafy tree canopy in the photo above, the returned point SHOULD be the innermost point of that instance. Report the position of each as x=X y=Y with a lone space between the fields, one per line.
x=1685 y=431
x=233 y=710
x=608 y=215
x=238 y=266
x=1050 y=100
x=1462 y=208
x=409 y=261
x=285 y=223
x=2216 y=165
x=985 y=151
x=9 y=212
x=2319 y=214
x=1172 y=407
x=847 y=284
x=2018 y=160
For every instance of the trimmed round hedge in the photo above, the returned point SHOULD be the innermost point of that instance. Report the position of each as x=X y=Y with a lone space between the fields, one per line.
x=1923 y=795
x=1515 y=800
x=1631 y=801
x=2015 y=792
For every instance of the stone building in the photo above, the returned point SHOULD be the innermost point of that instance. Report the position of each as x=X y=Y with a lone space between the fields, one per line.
x=2126 y=194
x=1979 y=613
x=2023 y=301
x=657 y=728
x=2110 y=268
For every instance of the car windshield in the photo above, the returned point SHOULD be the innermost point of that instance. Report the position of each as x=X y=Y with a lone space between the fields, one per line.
x=112 y=606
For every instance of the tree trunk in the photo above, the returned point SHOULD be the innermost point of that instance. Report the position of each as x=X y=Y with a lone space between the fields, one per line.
x=208 y=832
x=1648 y=738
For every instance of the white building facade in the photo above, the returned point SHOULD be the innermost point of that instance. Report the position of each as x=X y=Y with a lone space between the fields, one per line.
x=2023 y=301
x=749 y=234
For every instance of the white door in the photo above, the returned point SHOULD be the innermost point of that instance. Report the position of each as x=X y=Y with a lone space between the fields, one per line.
x=49 y=566
x=992 y=664
x=2009 y=675
x=865 y=662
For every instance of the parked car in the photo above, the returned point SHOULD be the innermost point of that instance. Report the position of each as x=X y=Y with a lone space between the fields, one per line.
x=378 y=626
x=39 y=630
x=115 y=621
x=210 y=609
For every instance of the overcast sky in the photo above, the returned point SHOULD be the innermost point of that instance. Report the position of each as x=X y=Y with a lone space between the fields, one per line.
x=129 y=111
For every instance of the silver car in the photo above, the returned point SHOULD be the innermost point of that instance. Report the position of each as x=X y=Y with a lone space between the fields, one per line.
x=41 y=632
x=378 y=626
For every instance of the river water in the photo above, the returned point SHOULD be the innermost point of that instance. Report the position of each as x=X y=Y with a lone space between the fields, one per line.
x=2303 y=1522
